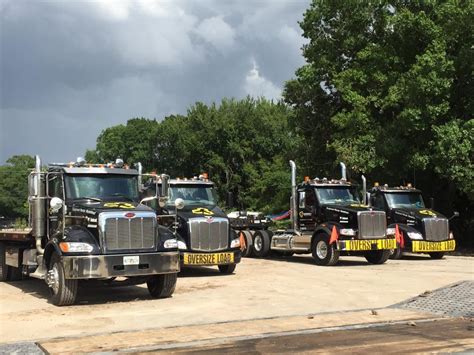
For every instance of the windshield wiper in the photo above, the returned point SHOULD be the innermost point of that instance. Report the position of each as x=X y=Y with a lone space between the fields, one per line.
x=90 y=198
x=123 y=195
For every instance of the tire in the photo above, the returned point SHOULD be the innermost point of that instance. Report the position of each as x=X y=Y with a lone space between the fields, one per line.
x=397 y=253
x=63 y=291
x=3 y=266
x=162 y=286
x=378 y=256
x=437 y=255
x=227 y=269
x=248 y=243
x=323 y=253
x=261 y=244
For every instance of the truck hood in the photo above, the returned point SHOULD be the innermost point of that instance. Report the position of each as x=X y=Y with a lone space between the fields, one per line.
x=415 y=214
x=196 y=211
x=94 y=208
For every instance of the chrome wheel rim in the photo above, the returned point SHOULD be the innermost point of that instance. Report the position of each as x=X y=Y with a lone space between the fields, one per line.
x=322 y=249
x=53 y=279
x=258 y=243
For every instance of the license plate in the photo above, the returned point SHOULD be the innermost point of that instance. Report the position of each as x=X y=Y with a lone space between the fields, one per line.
x=422 y=246
x=131 y=260
x=371 y=244
x=208 y=259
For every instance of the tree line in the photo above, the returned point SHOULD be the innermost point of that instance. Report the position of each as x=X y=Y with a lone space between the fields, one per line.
x=387 y=88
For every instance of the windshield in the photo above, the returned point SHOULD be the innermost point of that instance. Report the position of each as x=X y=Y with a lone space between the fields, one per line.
x=193 y=195
x=103 y=187
x=405 y=200
x=336 y=195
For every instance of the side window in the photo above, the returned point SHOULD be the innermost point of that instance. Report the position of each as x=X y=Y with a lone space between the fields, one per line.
x=301 y=199
x=55 y=186
x=378 y=201
x=310 y=199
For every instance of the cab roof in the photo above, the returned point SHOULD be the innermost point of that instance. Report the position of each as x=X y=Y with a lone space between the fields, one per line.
x=93 y=170
x=387 y=188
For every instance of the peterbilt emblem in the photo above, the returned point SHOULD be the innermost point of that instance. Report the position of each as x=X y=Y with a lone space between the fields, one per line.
x=209 y=220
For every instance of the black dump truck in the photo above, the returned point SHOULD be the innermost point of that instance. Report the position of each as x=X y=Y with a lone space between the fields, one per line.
x=203 y=231
x=417 y=229
x=328 y=220
x=87 y=222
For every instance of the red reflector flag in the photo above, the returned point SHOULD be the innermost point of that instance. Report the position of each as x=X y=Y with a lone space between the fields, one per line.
x=243 y=243
x=399 y=237
x=334 y=235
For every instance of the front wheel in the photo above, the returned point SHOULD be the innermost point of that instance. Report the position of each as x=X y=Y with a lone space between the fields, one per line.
x=438 y=255
x=162 y=286
x=227 y=269
x=324 y=254
x=378 y=256
x=396 y=253
x=63 y=291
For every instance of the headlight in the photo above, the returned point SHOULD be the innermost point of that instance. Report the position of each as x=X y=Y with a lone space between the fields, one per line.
x=75 y=247
x=415 y=235
x=170 y=244
x=451 y=235
x=390 y=231
x=182 y=245
x=348 y=231
x=235 y=243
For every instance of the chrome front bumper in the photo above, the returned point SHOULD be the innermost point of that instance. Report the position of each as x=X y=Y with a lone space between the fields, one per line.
x=102 y=266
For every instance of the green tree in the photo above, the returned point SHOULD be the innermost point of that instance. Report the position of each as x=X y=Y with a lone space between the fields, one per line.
x=14 y=186
x=131 y=142
x=383 y=83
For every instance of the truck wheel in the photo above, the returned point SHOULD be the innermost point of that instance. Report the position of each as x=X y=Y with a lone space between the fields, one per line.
x=248 y=244
x=162 y=286
x=378 y=256
x=261 y=244
x=3 y=266
x=324 y=254
x=397 y=253
x=438 y=255
x=227 y=269
x=63 y=291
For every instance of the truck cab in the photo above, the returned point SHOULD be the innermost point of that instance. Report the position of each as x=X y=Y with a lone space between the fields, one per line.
x=87 y=222
x=420 y=229
x=203 y=231
x=328 y=220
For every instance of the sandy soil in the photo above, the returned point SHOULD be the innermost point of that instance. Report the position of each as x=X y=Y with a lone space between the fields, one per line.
x=258 y=289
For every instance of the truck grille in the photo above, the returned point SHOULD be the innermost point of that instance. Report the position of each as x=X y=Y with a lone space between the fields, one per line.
x=209 y=234
x=436 y=229
x=372 y=224
x=119 y=233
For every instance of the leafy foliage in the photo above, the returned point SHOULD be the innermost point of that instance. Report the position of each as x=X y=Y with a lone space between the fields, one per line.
x=14 y=186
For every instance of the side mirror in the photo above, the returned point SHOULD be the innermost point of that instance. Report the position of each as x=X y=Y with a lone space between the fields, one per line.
x=432 y=203
x=179 y=203
x=56 y=204
x=230 y=199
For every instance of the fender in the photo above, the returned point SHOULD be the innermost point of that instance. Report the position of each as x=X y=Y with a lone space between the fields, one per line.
x=50 y=248
x=404 y=229
x=326 y=228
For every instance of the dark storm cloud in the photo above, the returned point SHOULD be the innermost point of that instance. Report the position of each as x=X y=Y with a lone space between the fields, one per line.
x=71 y=69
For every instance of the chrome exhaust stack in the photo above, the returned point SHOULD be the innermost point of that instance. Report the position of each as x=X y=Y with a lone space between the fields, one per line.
x=364 y=190
x=293 y=194
x=343 y=171
x=140 y=172
x=37 y=200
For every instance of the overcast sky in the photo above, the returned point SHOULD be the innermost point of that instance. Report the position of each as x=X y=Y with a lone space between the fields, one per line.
x=69 y=69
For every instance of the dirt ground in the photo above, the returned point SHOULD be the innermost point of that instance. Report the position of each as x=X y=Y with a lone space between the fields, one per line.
x=259 y=289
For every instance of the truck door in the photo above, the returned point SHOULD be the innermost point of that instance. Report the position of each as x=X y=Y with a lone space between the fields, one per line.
x=55 y=218
x=306 y=209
